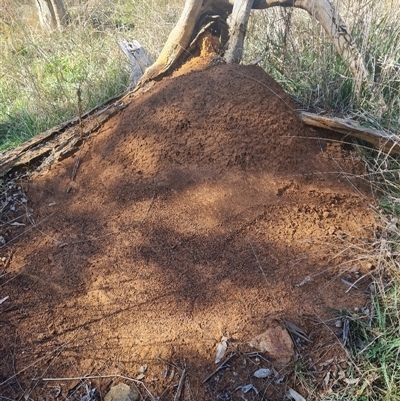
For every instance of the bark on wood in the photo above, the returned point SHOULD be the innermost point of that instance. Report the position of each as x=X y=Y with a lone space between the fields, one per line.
x=380 y=139
x=178 y=40
x=65 y=139
x=185 y=29
x=325 y=13
x=59 y=142
x=237 y=30
x=52 y=14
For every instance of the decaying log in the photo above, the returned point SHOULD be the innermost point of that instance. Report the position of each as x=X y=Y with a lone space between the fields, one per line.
x=65 y=139
x=388 y=143
x=61 y=141
x=178 y=40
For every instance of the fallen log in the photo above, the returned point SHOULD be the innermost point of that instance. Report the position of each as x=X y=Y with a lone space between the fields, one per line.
x=381 y=140
x=60 y=141
x=65 y=139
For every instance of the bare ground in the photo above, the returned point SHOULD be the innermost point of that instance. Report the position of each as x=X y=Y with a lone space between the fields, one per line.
x=203 y=209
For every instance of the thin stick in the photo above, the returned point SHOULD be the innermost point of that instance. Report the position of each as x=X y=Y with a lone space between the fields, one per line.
x=94 y=377
x=25 y=231
x=59 y=348
x=262 y=271
x=180 y=386
x=29 y=391
x=219 y=368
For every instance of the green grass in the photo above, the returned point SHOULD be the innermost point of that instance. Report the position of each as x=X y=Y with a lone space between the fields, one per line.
x=40 y=73
x=375 y=350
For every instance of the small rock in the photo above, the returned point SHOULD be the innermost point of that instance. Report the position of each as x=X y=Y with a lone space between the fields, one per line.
x=121 y=392
x=338 y=323
x=142 y=369
x=276 y=342
x=263 y=373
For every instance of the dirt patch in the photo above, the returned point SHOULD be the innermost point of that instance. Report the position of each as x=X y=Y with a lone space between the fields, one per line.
x=203 y=209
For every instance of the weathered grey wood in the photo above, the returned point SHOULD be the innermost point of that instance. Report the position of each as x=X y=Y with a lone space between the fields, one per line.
x=52 y=14
x=237 y=22
x=138 y=59
x=178 y=40
x=65 y=139
x=58 y=142
x=380 y=139
x=325 y=13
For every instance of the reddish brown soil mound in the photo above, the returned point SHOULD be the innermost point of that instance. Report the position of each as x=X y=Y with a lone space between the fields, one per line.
x=203 y=209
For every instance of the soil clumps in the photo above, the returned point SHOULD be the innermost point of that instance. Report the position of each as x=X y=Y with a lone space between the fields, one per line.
x=203 y=209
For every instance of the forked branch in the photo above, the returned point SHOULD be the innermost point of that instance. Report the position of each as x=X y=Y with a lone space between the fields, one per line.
x=194 y=11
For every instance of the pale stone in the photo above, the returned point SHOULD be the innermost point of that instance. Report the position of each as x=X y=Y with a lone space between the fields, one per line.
x=276 y=343
x=121 y=392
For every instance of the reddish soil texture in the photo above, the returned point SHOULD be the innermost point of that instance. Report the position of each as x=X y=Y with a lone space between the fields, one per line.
x=203 y=209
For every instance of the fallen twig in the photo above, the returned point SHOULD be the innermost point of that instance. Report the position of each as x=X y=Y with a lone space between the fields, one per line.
x=58 y=349
x=25 y=231
x=180 y=386
x=219 y=368
x=81 y=378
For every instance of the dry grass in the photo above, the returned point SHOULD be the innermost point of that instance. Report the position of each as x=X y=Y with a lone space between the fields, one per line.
x=41 y=73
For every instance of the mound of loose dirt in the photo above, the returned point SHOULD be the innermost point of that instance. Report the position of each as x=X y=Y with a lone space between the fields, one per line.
x=203 y=209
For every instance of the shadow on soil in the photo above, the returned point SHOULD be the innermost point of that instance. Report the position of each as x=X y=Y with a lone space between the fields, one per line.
x=196 y=213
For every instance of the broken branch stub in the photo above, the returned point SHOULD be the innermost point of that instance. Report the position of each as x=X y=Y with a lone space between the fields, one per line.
x=138 y=59
x=237 y=30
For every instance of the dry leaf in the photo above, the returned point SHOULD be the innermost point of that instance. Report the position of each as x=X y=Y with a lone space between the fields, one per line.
x=296 y=330
x=263 y=373
x=326 y=379
x=221 y=349
x=351 y=381
x=294 y=395
x=247 y=388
